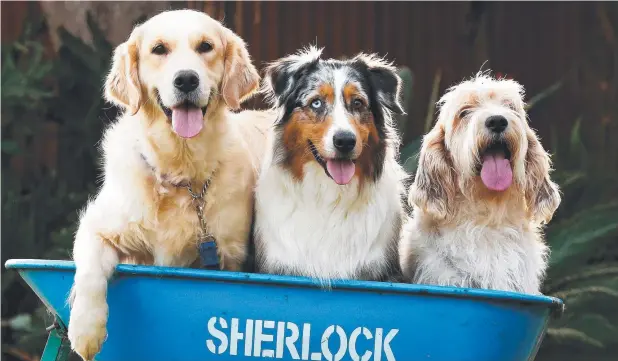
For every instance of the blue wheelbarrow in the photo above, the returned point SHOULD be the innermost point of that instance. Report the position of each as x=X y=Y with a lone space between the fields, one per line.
x=179 y=314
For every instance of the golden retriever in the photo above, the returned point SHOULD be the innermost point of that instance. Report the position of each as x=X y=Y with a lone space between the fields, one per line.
x=177 y=77
x=481 y=194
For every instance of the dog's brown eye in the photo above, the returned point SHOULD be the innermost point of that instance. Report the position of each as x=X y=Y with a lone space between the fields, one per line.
x=204 y=47
x=357 y=104
x=159 y=49
x=465 y=112
x=511 y=105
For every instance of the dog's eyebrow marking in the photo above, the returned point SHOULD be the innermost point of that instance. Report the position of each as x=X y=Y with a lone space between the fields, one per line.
x=196 y=40
x=352 y=90
x=160 y=41
x=327 y=92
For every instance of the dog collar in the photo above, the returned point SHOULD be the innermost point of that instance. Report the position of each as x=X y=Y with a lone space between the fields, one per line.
x=207 y=244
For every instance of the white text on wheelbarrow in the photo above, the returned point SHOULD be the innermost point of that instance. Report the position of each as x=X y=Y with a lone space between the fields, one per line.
x=270 y=339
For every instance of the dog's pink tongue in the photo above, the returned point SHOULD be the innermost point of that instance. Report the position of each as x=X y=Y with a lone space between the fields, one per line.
x=187 y=122
x=496 y=173
x=342 y=171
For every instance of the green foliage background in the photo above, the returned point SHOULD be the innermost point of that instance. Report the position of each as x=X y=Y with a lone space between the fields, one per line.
x=39 y=211
x=40 y=208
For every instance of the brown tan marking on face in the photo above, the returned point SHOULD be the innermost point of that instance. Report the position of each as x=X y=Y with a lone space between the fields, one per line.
x=327 y=93
x=368 y=143
x=373 y=152
x=154 y=61
x=213 y=57
x=198 y=38
x=303 y=126
x=470 y=101
x=308 y=125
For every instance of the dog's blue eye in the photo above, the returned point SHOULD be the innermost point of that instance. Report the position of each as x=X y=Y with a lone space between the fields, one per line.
x=316 y=104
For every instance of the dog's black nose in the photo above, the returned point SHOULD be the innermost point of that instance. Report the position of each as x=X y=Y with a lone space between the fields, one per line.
x=186 y=81
x=496 y=123
x=344 y=141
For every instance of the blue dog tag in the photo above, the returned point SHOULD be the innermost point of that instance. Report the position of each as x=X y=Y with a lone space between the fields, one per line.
x=208 y=254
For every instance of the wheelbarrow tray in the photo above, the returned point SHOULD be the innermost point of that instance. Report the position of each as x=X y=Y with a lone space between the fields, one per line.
x=180 y=314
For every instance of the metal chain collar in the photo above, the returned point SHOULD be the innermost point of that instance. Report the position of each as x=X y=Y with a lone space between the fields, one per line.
x=206 y=242
x=199 y=202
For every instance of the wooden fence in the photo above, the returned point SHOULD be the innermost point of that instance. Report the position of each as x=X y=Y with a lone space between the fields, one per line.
x=537 y=43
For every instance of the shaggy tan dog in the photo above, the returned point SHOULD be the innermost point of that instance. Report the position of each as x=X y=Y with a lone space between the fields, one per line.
x=481 y=194
x=177 y=76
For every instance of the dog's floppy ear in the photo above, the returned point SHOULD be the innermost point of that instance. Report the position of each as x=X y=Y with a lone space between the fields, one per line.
x=434 y=185
x=385 y=81
x=542 y=194
x=282 y=75
x=122 y=85
x=240 y=78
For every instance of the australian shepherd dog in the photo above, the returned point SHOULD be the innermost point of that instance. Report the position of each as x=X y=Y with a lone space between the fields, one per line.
x=481 y=194
x=328 y=200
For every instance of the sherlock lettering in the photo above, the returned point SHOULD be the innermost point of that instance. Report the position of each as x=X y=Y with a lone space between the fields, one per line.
x=270 y=339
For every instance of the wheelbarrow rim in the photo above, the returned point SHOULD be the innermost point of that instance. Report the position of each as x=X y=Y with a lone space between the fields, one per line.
x=124 y=270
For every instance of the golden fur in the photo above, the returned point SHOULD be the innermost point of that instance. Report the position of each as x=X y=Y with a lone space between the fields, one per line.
x=141 y=214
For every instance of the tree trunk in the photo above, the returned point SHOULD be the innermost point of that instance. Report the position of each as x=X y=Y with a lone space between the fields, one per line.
x=115 y=18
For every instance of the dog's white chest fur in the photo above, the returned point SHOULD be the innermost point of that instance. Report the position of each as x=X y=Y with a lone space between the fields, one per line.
x=468 y=255
x=320 y=229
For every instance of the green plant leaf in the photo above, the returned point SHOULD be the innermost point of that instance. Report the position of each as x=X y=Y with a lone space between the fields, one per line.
x=21 y=322
x=433 y=99
x=567 y=179
x=576 y=293
x=409 y=156
x=568 y=335
x=535 y=100
x=579 y=232
x=595 y=326
x=582 y=275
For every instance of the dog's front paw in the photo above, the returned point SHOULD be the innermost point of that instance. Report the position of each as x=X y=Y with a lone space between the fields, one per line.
x=87 y=327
